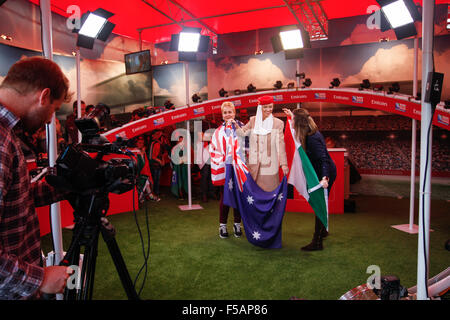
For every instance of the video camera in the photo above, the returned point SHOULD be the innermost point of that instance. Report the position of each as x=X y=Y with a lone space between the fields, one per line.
x=81 y=168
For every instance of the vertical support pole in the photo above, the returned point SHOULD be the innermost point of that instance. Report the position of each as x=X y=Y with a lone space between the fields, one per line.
x=298 y=79
x=78 y=66
x=188 y=135
x=51 y=131
x=425 y=154
x=413 y=139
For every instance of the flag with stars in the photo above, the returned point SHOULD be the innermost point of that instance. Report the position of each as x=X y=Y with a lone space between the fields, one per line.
x=262 y=212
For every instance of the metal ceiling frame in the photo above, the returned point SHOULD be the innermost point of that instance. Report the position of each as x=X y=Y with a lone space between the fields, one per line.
x=308 y=13
x=196 y=19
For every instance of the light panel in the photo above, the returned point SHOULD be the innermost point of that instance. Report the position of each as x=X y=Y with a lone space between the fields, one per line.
x=291 y=39
x=92 y=26
x=188 y=42
x=397 y=14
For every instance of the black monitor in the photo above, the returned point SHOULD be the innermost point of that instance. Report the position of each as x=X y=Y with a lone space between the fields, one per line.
x=136 y=62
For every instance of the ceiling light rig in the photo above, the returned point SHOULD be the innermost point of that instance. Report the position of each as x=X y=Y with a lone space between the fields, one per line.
x=400 y=16
x=94 y=25
x=292 y=41
x=188 y=42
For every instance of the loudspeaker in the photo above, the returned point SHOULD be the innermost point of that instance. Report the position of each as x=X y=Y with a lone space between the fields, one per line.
x=434 y=88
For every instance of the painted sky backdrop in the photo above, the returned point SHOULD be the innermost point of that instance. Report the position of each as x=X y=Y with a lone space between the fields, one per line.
x=169 y=82
x=105 y=81
x=378 y=62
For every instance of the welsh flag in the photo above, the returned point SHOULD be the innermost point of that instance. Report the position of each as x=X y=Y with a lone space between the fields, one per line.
x=303 y=177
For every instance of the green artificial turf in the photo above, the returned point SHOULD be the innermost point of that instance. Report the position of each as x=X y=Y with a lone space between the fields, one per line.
x=189 y=261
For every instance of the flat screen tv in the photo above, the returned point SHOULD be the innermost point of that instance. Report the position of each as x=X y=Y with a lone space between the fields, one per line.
x=136 y=62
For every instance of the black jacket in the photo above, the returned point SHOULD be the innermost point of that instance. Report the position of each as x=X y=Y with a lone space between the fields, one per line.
x=317 y=152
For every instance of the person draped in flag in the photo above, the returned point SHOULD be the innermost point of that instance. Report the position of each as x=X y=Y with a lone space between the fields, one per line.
x=218 y=152
x=307 y=133
x=267 y=150
x=254 y=187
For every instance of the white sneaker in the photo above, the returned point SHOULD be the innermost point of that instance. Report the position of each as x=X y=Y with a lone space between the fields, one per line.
x=237 y=230
x=223 y=233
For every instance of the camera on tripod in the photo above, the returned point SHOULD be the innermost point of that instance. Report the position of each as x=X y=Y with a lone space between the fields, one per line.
x=82 y=170
x=81 y=167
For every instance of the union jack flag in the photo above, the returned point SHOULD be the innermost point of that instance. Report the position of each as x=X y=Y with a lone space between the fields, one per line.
x=240 y=168
x=224 y=147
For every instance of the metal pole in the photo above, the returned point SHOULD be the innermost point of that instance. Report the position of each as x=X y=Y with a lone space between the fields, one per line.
x=55 y=210
x=188 y=135
x=78 y=88
x=425 y=154
x=413 y=139
x=298 y=79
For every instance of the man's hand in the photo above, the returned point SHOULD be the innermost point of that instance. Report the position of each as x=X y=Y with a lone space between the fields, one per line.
x=55 y=278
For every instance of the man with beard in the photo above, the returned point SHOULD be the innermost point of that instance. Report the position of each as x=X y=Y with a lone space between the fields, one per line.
x=32 y=91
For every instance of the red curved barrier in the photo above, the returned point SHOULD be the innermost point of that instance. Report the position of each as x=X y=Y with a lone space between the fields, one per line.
x=399 y=104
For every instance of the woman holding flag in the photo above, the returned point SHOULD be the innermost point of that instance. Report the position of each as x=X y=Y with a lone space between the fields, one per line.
x=307 y=133
x=218 y=153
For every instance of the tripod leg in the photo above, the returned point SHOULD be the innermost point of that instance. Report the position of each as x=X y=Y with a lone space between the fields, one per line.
x=88 y=271
x=108 y=234
x=72 y=258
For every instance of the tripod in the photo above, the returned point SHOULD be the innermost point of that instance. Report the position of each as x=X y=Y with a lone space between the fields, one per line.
x=89 y=212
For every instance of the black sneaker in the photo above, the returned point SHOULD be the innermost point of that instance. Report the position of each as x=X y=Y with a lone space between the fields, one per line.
x=223 y=233
x=237 y=230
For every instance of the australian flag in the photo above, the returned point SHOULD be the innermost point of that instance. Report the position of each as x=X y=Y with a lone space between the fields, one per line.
x=261 y=211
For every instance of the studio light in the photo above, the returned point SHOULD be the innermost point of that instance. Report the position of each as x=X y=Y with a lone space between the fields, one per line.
x=300 y=75
x=196 y=98
x=292 y=41
x=399 y=15
x=188 y=42
x=278 y=84
x=377 y=87
x=395 y=87
x=307 y=83
x=251 y=88
x=223 y=93
x=94 y=25
x=365 y=84
x=291 y=85
x=335 y=83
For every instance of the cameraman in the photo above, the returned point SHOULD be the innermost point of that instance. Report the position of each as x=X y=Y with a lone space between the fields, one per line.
x=32 y=91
